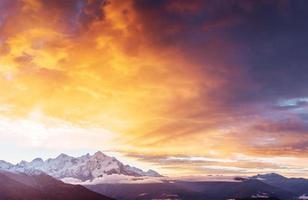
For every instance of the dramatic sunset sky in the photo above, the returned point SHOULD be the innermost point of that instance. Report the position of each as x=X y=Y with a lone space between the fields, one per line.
x=183 y=87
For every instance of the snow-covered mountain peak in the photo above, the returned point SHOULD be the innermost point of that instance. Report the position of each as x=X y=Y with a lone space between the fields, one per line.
x=269 y=176
x=22 y=163
x=37 y=161
x=85 y=156
x=63 y=156
x=153 y=173
x=5 y=165
x=85 y=168
x=99 y=155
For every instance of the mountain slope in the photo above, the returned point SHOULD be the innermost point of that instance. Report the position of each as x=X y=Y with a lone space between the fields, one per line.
x=15 y=186
x=296 y=185
x=193 y=190
x=84 y=168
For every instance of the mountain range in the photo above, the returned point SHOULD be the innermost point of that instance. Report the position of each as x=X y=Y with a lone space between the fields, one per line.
x=298 y=186
x=198 y=190
x=41 y=179
x=84 y=168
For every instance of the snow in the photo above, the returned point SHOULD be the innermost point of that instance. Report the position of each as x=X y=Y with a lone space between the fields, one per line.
x=5 y=165
x=84 y=168
x=70 y=180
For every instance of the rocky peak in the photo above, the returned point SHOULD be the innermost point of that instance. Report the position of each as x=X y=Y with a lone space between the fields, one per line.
x=99 y=155
x=62 y=156
x=86 y=167
x=37 y=160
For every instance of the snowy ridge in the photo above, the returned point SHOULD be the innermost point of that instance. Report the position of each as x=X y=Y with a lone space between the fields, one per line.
x=85 y=168
x=5 y=165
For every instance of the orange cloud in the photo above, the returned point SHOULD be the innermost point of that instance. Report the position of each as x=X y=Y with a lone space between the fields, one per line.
x=146 y=74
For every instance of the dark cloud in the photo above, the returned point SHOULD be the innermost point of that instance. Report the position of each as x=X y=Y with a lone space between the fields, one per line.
x=258 y=48
x=258 y=51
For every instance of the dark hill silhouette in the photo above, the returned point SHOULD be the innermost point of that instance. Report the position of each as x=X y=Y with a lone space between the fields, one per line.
x=37 y=187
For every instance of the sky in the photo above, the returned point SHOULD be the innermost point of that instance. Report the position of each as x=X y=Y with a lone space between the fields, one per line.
x=183 y=87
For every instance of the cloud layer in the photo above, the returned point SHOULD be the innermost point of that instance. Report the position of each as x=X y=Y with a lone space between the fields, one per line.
x=197 y=79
